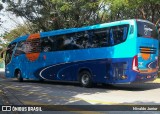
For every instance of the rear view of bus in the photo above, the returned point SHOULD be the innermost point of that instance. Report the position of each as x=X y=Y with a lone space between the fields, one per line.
x=145 y=63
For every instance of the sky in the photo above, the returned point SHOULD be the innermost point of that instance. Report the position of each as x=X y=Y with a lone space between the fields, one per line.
x=9 y=20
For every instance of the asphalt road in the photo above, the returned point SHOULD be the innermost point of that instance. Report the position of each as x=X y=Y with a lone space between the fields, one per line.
x=32 y=92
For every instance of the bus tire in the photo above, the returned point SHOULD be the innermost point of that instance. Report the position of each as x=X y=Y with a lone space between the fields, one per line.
x=19 y=76
x=41 y=80
x=107 y=85
x=85 y=79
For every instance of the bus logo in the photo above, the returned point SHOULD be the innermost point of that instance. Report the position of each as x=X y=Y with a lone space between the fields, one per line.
x=6 y=108
x=33 y=56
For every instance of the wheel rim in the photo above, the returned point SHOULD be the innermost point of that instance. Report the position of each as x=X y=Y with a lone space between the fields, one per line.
x=85 y=78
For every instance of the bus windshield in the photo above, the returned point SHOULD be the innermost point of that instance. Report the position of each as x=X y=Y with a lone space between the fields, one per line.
x=146 y=30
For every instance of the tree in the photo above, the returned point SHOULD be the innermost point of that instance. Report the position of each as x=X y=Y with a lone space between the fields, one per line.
x=17 y=32
x=45 y=15
x=127 y=9
x=1 y=7
x=1 y=43
x=57 y=14
x=11 y=35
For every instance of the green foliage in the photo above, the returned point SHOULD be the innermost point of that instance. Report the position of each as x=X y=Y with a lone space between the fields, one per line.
x=127 y=9
x=11 y=35
x=18 y=31
x=57 y=14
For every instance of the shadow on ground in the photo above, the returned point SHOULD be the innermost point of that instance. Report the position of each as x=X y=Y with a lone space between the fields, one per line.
x=125 y=87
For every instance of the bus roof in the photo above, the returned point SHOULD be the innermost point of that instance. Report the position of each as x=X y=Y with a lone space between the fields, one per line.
x=144 y=21
x=21 y=38
x=72 y=30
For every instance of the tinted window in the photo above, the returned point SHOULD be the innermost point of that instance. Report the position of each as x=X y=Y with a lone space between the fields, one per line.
x=33 y=46
x=118 y=34
x=110 y=36
x=68 y=42
x=46 y=44
x=29 y=46
x=83 y=39
x=9 y=53
x=59 y=42
x=20 y=48
x=101 y=38
x=147 y=30
x=86 y=39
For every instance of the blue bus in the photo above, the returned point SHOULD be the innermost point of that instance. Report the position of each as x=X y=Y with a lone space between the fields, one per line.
x=111 y=53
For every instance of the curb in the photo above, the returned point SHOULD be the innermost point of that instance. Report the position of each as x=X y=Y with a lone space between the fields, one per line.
x=9 y=97
x=2 y=76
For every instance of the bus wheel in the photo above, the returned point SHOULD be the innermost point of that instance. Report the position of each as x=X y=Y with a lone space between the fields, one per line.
x=41 y=80
x=19 y=76
x=85 y=79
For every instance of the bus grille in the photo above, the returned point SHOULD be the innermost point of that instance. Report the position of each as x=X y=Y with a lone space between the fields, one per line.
x=148 y=50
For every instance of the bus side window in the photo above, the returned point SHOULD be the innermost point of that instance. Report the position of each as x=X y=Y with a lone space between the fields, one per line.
x=95 y=41
x=20 y=48
x=124 y=33
x=32 y=46
x=9 y=53
x=88 y=35
x=118 y=34
x=46 y=45
x=108 y=37
x=100 y=38
x=70 y=42
x=81 y=40
x=59 y=43
x=111 y=37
